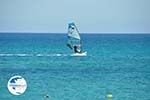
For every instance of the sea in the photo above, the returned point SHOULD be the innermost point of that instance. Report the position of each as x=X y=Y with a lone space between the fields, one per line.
x=117 y=66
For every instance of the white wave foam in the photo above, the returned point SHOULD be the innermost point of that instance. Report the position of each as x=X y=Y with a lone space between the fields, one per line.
x=58 y=54
x=23 y=55
x=37 y=55
x=16 y=54
x=6 y=54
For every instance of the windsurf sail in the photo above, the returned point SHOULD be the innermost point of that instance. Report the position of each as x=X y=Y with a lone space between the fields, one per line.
x=74 y=39
x=73 y=31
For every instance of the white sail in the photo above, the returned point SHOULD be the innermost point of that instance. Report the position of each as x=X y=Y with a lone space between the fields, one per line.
x=73 y=31
x=74 y=40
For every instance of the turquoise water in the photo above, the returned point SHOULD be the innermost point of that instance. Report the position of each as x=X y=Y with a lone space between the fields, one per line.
x=117 y=64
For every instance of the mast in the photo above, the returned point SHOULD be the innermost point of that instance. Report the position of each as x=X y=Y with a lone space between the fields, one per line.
x=80 y=37
x=78 y=32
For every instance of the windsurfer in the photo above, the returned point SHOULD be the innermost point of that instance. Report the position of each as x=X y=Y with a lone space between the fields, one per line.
x=77 y=49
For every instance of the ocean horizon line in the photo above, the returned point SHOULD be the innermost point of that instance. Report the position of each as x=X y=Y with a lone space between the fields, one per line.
x=66 y=33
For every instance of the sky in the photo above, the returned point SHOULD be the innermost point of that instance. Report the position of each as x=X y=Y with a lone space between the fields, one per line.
x=90 y=16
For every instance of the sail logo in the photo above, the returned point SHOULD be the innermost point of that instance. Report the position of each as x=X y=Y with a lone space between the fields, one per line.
x=17 y=85
x=71 y=29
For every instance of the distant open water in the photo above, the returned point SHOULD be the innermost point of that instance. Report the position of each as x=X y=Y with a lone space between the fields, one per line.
x=117 y=64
